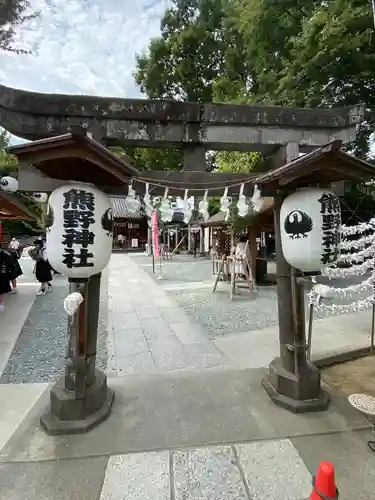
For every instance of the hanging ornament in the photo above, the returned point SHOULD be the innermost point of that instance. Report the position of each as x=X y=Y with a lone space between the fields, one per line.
x=188 y=207
x=166 y=212
x=310 y=225
x=203 y=207
x=256 y=199
x=242 y=205
x=225 y=203
x=132 y=201
x=180 y=205
x=40 y=197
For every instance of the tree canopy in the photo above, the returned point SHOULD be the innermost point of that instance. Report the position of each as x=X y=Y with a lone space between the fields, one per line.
x=289 y=52
x=13 y=13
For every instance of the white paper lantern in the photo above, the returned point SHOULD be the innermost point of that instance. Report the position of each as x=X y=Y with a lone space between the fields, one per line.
x=9 y=184
x=310 y=224
x=79 y=230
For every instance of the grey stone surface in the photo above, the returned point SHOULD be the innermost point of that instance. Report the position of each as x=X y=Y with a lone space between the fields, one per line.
x=130 y=341
x=63 y=480
x=188 y=282
x=134 y=364
x=207 y=474
x=181 y=409
x=353 y=461
x=40 y=352
x=122 y=321
x=147 y=312
x=273 y=469
x=144 y=476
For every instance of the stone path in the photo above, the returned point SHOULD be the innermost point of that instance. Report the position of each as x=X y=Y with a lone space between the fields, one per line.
x=190 y=419
x=150 y=333
x=187 y=435
x=17 y=309
x=188 y=282
x=35 y=329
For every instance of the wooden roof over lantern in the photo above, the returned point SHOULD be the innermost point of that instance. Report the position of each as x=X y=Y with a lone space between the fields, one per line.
x=12 y=207
x=75 y=156
x=323 y=166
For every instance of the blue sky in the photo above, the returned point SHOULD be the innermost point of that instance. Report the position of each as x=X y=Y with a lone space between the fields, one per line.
x=83 y=46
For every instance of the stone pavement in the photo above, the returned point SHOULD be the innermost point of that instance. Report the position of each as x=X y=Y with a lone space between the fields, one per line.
x=150 y=334
x=17 y=309
x=189 y=435
x=190 y=419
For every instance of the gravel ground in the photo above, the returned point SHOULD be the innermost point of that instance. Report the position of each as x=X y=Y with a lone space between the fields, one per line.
x=39 y=354
x=189 y=282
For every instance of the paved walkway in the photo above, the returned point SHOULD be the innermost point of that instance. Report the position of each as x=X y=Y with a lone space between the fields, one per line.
x=17 y=309
x=150 y=333
x=190 y=419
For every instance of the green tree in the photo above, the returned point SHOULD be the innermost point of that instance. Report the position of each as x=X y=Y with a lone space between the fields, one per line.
x=196 y=45
x=332 y=63
x=238 y=161
x=317 y=54
x=13 y=13
x=152 y=158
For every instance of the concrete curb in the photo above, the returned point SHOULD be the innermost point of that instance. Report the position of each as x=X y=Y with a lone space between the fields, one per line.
x=342 y=357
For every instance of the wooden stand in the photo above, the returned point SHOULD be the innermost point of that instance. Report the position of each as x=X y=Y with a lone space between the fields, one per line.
x=223 y=272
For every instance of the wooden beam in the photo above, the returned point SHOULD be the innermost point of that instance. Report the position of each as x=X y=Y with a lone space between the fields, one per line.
x=32 y=180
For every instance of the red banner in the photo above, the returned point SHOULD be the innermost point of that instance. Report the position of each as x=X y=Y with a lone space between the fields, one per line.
x=155 y=234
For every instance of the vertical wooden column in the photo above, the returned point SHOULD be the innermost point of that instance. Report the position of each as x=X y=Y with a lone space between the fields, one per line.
x=292 y=382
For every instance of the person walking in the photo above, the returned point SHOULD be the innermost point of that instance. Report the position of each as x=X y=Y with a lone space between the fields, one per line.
x=15 y=268
x=5 y=261
x=42 y=267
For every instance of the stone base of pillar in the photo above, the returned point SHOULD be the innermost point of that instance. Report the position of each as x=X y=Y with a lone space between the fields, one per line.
x=296 y=395
x=68 y=415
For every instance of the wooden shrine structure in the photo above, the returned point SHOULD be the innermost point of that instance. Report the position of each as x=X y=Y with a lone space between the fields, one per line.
x=281 y=134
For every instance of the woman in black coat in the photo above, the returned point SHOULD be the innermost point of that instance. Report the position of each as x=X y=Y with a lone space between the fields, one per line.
x=15 y=270
x=5 y=263
x=42 y=268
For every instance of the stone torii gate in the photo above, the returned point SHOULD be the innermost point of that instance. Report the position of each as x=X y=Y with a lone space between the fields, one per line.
x=279 y=133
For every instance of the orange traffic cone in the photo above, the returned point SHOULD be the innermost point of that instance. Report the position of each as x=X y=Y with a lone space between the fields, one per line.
x=324 y=486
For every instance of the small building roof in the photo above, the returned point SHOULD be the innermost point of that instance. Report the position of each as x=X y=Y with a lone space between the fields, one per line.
x=75 y=156
x=324 y=165
x=122 y=210
x=12 y=207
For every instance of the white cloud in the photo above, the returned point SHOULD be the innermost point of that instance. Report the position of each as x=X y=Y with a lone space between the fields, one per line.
x=83 y=46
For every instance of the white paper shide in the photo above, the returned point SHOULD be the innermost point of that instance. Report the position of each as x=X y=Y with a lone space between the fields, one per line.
x=310 y=224
x=79 y=230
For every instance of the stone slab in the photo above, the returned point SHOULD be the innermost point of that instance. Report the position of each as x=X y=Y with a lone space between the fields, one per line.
x=17 y=309
x=17 y=401
x=133 y=364
x=353 y=461
x=130 y=341
x=330 y=336
x=123 y=321
x=207 y=474
x=147 y=311
x=144 y=476
x=63 y=480
x=274 y=469
x=187 y=333
x=185 y=409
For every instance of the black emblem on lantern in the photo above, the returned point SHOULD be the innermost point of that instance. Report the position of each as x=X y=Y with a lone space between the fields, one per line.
x=107 y=222
x=297 y=224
